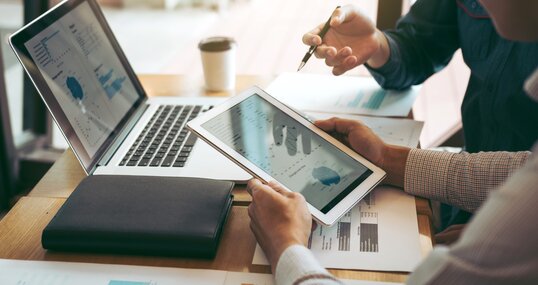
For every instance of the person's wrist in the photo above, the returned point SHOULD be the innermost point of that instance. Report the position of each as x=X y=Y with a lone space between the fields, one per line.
x=394 y=161
x=279 y=249
x=381 y=56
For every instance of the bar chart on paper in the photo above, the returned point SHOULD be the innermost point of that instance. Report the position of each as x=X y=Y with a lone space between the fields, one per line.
x=363 y=219
x=355 y=101
x=370 y=236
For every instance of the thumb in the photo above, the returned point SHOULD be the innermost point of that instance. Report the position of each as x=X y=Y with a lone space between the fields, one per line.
x=336 y=125
x=325 y=125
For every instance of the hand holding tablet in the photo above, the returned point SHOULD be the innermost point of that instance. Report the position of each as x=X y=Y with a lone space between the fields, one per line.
x=272 y=142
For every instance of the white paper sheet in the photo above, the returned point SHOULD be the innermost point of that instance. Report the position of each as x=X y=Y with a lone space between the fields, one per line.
x=23 y=272
x=380 y=233
x=403 y=132
x=341 y=94
x=18 y=272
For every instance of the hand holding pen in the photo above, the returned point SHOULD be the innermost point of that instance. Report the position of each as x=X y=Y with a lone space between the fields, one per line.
x=313 y=47
x=347 y=40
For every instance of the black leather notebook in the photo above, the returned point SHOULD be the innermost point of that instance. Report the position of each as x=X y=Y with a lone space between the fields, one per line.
x=142 y=215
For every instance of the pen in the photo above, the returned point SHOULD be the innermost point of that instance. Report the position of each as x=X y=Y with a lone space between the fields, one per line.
x=312 y=49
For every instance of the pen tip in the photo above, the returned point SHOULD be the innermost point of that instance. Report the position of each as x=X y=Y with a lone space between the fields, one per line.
x=300 y=66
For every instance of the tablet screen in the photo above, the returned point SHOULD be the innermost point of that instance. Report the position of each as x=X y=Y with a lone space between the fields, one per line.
x=288 y=151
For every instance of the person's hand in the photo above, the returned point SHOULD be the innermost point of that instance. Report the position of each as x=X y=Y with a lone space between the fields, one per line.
x=357 y=136
x=362 y=140
x=278 y=218
x=450 y=235
x=351 y=40
x=293 y=131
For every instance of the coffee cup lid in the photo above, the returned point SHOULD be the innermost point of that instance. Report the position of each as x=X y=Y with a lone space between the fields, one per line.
x=216 y=44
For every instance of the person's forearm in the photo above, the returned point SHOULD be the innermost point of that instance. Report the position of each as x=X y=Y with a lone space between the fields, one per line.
x=394 y=161
x=422 y=43
x=383 y=53
x=463 y=180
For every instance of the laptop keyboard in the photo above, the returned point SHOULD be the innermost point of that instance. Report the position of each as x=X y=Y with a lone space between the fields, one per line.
x=165 y=141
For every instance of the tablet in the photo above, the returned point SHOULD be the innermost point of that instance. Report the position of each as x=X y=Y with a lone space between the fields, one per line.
x=274 y=143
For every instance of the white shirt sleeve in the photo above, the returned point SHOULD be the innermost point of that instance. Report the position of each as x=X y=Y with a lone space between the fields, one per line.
x=297 y=265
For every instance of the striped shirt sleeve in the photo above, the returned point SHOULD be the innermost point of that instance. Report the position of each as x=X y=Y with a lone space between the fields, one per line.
x=463 y=179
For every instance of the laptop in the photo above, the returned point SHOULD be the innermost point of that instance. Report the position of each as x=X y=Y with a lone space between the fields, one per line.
x=93 y=94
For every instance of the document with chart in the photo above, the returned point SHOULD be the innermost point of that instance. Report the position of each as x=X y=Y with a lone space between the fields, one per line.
x=341 y=94
x=380 y=233
x=402 y=132
x=94 y=99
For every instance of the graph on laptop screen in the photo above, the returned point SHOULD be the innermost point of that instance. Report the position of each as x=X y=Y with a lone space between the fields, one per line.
x=85 y=75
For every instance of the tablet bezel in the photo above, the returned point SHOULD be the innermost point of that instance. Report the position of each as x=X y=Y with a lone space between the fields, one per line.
x=334 y=214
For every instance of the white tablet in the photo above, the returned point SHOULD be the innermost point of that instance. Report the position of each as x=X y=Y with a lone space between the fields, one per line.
x=273 y=142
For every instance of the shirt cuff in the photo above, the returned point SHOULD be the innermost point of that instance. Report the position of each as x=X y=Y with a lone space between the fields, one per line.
x=393 y=63
x=426 y=173
x=297 y=264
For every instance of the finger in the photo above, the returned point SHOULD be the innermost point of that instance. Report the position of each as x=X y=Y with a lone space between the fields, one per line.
x=348 y=64
x=455 y=227
x=341 y=55
x=259 y=191
x=312 y=38
x=341 y=126
x=450 y=234
x=447 y=238
x=252 y=183
x=324 y=51
x=277 y=187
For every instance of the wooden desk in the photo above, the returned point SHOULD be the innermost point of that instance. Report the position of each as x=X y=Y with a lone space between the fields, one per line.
x=20 y=230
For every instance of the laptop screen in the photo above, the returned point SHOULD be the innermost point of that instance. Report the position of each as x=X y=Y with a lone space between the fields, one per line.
x=82 y=75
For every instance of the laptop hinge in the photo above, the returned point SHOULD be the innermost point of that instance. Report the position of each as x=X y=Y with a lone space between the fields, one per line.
x=114 y=146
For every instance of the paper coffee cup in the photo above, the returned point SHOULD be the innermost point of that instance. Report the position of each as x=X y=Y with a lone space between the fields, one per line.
x=218 y=61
